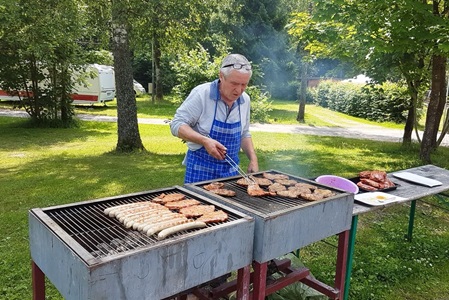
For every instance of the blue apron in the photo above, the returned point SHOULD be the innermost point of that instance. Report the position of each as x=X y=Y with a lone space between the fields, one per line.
x=201 y=166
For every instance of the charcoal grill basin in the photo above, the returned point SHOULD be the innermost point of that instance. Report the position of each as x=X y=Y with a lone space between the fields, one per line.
x=284 y=225
x=156 y=270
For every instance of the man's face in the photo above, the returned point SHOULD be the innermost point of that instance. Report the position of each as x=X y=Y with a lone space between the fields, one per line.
x=233 y=86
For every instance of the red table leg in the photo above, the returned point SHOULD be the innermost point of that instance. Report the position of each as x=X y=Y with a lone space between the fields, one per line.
x=260 y=280
x=38 y=282
x=243 y=283
x=342 y=255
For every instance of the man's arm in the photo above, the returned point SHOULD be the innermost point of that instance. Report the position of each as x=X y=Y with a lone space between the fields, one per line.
x=248 y=148
x=213 y=147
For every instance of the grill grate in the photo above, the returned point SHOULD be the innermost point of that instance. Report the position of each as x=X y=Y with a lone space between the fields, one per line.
x=102 y=235
x=265 y=204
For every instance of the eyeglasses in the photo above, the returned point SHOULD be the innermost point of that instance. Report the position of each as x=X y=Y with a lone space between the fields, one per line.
x=239 y=66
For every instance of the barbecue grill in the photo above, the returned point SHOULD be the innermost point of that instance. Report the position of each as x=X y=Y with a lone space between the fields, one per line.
x=285 y=224
x=88 y=255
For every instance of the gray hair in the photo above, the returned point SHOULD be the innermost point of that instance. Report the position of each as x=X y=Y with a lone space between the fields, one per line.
x=232 y=59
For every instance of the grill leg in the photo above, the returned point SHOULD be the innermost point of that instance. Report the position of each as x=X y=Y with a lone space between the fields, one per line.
x=260 y=280
x=38 y=282
x=342 y=255
x=243 y=282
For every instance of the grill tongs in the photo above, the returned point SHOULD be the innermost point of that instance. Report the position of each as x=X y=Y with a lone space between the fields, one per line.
x=233 y=164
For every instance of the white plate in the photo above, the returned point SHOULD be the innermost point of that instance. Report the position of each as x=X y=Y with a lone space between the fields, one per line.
x=377 y=198
x=417 y=179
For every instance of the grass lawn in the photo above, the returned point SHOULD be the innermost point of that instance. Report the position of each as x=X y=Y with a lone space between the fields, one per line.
x=45 y=167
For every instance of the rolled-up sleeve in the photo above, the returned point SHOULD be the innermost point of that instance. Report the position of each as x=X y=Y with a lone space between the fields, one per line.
x=188 y=113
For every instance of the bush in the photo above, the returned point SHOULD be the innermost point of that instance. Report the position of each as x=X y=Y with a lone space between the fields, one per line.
x=380 y=103
x=260 y=104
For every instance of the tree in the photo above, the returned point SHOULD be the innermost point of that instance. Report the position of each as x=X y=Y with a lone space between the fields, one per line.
x=36 y=64
x=166 y=27
x=404 y=33
x=127 y=124
x=255 y=28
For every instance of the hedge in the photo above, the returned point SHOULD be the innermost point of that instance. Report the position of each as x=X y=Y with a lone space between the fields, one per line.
x=381 y=103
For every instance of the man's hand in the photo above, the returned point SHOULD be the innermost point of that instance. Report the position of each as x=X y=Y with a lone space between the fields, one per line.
x=253 y=167
x=215 y=149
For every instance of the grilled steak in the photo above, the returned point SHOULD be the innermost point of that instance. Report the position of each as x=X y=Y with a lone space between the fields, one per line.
x=213 y=217
x=255 y=190
x=277 y=187
x=223 y=192
x=165 y=198
x=286 y=181
x=181 y=204
x=293 y=193
x=306 y=185
x=325 y=193
x=312 y=197
x=213 y=186
x=272 y=176
x=258 y=180
x=263 y=181
x=196 y=210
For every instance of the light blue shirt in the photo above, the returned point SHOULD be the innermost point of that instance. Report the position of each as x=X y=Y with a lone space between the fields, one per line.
x=198 y=110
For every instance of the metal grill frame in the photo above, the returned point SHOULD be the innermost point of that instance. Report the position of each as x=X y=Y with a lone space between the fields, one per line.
x=293 y=227
x=154 y=271
x=95 y=231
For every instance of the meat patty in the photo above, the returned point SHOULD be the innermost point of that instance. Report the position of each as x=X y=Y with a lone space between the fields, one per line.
x=165 y=198
x=272 y=176
x=323 y=192
x=312 y=197
x=260 y=181
x=213 y=186
x=263 y=181
x=223 y=192
x=213 y=217
x=277 y=187
x=255 y=190
x=181 y=204
x=196 y=210
x=293 y=193
x=286 y=181
x=306 y=185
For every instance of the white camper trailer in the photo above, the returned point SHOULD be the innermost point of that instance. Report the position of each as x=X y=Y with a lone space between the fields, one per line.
x=98 y=88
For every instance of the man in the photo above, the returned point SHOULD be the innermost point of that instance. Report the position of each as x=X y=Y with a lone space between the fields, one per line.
x=214 y=121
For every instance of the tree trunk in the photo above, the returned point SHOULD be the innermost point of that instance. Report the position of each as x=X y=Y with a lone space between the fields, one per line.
x=409 y=125
x=302 y=93
x=127 y=125
x=157 y=66
x=433 y=116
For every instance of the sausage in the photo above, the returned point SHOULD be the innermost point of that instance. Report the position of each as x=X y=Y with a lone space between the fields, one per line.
x=128 y=209
x=156 y=227
x=145 y=214
x=141 y=223
x=186 y=226
x=150 y=217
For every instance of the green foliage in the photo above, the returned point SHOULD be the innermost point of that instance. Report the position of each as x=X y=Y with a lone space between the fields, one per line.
x=260 y=104
x=196 y=67
x=381 y=103
x=193 y=68
x=38 y=61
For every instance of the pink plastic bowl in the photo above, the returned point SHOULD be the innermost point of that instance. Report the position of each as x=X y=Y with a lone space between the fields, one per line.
x=338 y=182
